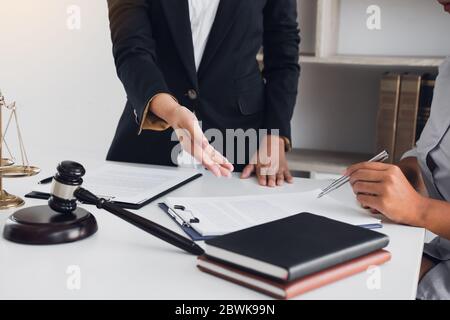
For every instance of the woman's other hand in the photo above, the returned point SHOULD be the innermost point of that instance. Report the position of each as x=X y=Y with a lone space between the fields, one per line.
x=269 y=163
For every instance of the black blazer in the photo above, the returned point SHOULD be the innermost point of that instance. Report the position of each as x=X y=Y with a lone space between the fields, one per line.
x=153 y=52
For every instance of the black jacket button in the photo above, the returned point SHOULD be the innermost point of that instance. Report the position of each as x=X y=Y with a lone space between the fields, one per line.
x=192 y=94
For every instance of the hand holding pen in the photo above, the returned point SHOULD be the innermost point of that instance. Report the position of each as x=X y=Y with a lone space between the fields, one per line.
x=384 y=188
x=381 y=157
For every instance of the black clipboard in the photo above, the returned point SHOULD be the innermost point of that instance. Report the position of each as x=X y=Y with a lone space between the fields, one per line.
x=125 y=205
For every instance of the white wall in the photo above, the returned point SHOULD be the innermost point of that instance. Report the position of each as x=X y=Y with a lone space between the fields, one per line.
x=408 y=27
x=64 y=81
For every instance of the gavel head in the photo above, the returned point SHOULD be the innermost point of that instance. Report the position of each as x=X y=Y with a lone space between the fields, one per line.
x=61 y=222
x=65 y=182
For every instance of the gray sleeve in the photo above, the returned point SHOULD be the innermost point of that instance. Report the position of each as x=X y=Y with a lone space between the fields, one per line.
x=410 y=154
x=435 y=285
x=439 y=248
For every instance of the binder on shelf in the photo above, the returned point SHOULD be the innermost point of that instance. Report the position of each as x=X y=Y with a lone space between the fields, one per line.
x=407 y=114
x=387 y=113
x=426 y=98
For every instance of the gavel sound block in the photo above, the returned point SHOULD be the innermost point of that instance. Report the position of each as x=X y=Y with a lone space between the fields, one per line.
x=58 y=222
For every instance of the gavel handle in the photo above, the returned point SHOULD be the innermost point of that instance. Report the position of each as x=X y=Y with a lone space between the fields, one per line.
x=140 y=222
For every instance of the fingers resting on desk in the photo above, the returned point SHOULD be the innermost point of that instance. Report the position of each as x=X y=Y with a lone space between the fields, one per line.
x=269 y=164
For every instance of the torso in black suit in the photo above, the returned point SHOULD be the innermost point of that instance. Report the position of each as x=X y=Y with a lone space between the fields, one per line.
x=153 y=51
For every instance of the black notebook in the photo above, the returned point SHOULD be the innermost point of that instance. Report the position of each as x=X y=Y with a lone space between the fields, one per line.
x=296 y=246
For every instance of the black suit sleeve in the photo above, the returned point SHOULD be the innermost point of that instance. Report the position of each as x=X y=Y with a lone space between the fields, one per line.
x=134 y=52
x=281 y=67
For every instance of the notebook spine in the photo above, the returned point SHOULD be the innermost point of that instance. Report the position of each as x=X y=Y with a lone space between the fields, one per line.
x=289 y=290
x=337 y=258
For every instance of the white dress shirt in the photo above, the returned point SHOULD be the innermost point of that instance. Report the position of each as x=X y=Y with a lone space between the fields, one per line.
x=202 y=14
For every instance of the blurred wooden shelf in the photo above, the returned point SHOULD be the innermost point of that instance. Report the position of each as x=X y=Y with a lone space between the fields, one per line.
x=375 y=61
x=323 y=161
x=380 y=61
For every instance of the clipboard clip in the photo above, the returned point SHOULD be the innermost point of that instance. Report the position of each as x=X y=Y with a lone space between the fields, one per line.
x=194 y=219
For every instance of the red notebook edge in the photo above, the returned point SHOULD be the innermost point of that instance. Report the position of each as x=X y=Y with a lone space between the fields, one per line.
x=297 y=287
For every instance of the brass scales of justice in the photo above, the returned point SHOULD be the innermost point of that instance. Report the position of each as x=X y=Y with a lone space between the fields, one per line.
x=8 y=167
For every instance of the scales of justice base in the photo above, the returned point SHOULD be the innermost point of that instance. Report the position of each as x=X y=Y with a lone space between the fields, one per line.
x=8 y=166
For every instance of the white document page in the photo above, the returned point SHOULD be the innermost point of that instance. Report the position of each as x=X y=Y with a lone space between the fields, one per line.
x=129 y=184
x=221 y=215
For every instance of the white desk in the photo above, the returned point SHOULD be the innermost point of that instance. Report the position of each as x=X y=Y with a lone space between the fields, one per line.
x=122 y=262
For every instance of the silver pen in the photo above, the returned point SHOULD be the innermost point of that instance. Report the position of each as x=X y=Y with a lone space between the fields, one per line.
x=381 y=157
x=177 y=217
